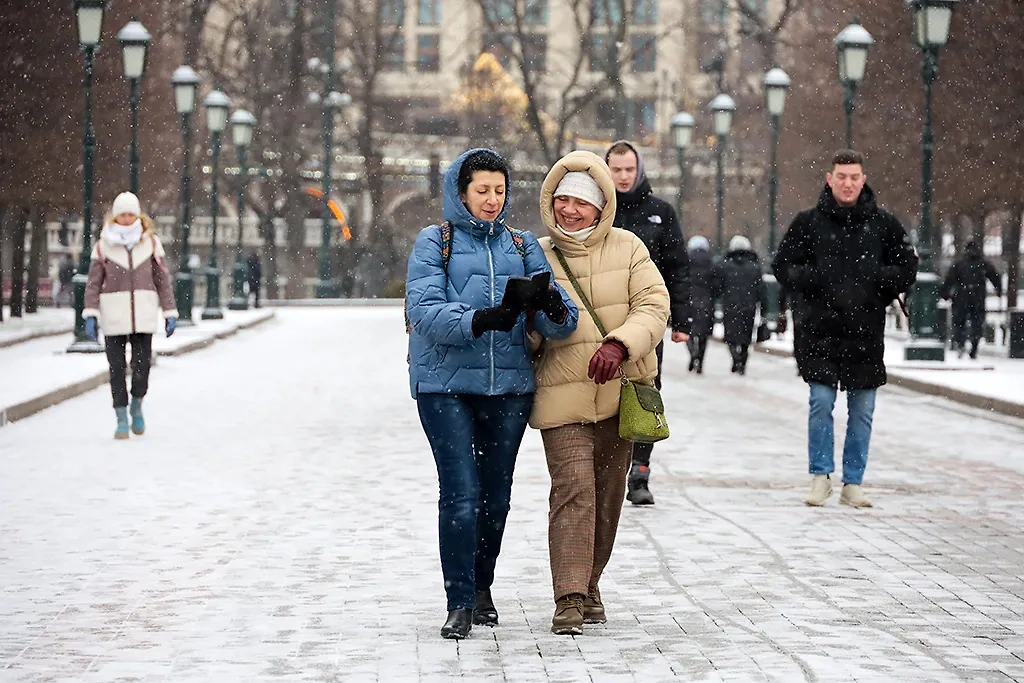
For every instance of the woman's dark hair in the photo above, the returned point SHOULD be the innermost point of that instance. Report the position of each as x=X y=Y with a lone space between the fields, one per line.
x=483 y=160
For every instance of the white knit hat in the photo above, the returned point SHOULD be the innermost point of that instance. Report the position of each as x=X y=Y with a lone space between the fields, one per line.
x=698 y=242
x=581 y=185
x=739 y=243
x=126 y=202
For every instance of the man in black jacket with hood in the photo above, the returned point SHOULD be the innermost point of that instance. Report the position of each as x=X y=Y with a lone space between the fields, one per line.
x=847 y=259
x=654 y=221
x=965 y=285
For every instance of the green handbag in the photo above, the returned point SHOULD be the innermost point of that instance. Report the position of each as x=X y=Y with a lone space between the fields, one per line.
x=641 y=410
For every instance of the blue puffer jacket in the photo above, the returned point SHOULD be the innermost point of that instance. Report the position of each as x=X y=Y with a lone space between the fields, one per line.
x=444 y=356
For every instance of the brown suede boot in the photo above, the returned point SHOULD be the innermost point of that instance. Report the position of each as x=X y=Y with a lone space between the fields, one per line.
x=568 y=619
x=593 y=608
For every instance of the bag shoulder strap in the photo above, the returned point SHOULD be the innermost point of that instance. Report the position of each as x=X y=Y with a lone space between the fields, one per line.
x=518 y=241
x=446 y=244
x=579 y=290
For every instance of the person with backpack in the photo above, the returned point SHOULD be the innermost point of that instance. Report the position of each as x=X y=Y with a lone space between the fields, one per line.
x=610 y=274
x=847 y=259
x=470 y=368
x=965 y=285
x=128 y=292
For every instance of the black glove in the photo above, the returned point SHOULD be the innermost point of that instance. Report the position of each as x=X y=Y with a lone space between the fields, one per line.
x=550 y=301
x=499 y=318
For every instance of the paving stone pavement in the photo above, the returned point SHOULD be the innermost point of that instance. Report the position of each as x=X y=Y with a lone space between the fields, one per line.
x=278 y=523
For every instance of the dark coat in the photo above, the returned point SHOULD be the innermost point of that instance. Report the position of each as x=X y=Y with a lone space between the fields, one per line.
x=742 y=291
x=965 y=281
x=254 y=267
x=654 y=221
x=703 y=292
x=847 y=264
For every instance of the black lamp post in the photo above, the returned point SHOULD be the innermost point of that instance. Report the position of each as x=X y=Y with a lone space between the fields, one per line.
x=90 y=25
x=186 y=88
x=217 y=105
x=135 y=41
x=682 y=135
x=776 y=85
x=931 y=30
x=242 y=125
x=852 y=45
x=722 y=109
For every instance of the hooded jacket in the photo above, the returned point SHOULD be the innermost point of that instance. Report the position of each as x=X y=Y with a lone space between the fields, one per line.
x=965 y=281
x=846 y=264
x=654 y=221
x=444 y=355
x=742 y=290
x=129 y=289
x=615 y=270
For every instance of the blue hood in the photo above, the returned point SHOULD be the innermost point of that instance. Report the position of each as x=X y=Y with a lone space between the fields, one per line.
x=456 y=213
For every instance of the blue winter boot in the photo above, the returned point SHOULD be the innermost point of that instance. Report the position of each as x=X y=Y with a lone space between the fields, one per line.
x=122 y=423
x=138 y=422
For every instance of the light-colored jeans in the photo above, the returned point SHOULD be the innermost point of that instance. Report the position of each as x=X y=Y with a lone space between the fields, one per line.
x=821 y=432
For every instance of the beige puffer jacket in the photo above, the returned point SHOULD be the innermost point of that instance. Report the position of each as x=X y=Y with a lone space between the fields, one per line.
x=628 y=293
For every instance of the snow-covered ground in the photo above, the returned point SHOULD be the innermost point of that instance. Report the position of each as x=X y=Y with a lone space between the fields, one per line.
x=278 y=523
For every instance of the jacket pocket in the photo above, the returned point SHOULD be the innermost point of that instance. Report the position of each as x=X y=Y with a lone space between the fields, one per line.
x=437 y=355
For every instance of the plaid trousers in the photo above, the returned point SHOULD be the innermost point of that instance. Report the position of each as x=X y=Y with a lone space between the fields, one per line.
x=589 y=465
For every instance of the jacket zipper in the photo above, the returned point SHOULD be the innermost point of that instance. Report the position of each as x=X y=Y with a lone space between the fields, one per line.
x=490 y=265
x=131 y=287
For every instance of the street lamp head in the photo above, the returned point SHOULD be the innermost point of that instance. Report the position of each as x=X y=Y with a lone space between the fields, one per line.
x=313 y=65
x=776 y=85
x=852 y=45
x=344 y=65
x=722 y=108
x=242 y=125
x=217 y=105
x=931 y=22
x=682 y=130
x=135 y=40
x=186 y=84
x=337 y=100
x=90 y=21
x=313 y=98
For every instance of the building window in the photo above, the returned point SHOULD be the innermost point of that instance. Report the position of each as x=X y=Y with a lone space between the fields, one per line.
x=428 y=52
x=645 y=12
x=644 y=53
x=606 y=12
x=428 y=12
x=714 y=11
x=535 y=51
x=393 y=56
x=500 y=45
x=392 y=12
x=641 y=118
x=536 y=13
x=497 y=12
x=598 y=56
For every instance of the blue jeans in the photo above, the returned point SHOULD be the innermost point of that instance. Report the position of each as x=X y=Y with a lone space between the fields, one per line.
x=821 y=432
x=475 y=440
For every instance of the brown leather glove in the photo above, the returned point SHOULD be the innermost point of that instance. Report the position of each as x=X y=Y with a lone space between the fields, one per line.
x=606 y=362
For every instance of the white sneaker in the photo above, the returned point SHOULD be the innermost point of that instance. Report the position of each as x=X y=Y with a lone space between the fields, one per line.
x=853 y=495
x=821 y=489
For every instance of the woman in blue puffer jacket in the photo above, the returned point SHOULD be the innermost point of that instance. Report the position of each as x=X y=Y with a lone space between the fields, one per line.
x=470 y=370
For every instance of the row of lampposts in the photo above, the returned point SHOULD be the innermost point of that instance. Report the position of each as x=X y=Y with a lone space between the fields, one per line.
x=135 y=40
x=931 y=32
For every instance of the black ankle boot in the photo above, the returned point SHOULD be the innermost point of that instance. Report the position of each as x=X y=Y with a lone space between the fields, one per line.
x=484 y=611
x=460 y=621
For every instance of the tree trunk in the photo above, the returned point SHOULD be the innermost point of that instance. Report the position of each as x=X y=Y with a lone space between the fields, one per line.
x=37 y=245
x=18 y=264
x=959 y=232
x=1011 y=252
x=270 y=256
x=3 y=231
x=978 y=234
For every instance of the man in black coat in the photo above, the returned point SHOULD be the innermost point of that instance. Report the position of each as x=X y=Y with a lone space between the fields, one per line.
x=703 y=292
x=254 y=275
x=965 y=285
x=654 y=221
x=847 y=259
x=742 y=292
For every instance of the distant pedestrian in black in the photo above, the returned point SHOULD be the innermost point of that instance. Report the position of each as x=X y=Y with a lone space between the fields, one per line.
x=742 y=291
x=65 y=275
x=255 y=273
x=703 y=292
x=965 y=285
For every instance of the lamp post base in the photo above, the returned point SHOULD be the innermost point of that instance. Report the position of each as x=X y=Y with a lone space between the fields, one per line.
x=85 y=345
x=926 y=342
x=184 y=295
x=771 y=312
x=212 y=310
x=925 y=349
x=326 y=289
x=239 y=301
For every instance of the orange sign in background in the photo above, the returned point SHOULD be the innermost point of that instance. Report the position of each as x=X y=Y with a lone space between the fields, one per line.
x=335 y=209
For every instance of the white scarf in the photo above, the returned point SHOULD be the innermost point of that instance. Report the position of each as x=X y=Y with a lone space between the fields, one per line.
x=579 y=235
x=125 y=235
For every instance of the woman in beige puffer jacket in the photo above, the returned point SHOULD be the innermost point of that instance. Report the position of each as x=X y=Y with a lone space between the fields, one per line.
x=577 y=401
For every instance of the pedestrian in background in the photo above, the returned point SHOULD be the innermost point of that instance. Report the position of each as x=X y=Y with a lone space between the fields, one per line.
x=847 y=258
x=577 y=403
x=742 y=292
x=254 y=273
x=65 y=276
x=654 y=221
x=965 y=285
x=470 y=370
x=703 y=292
x=128 y=291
